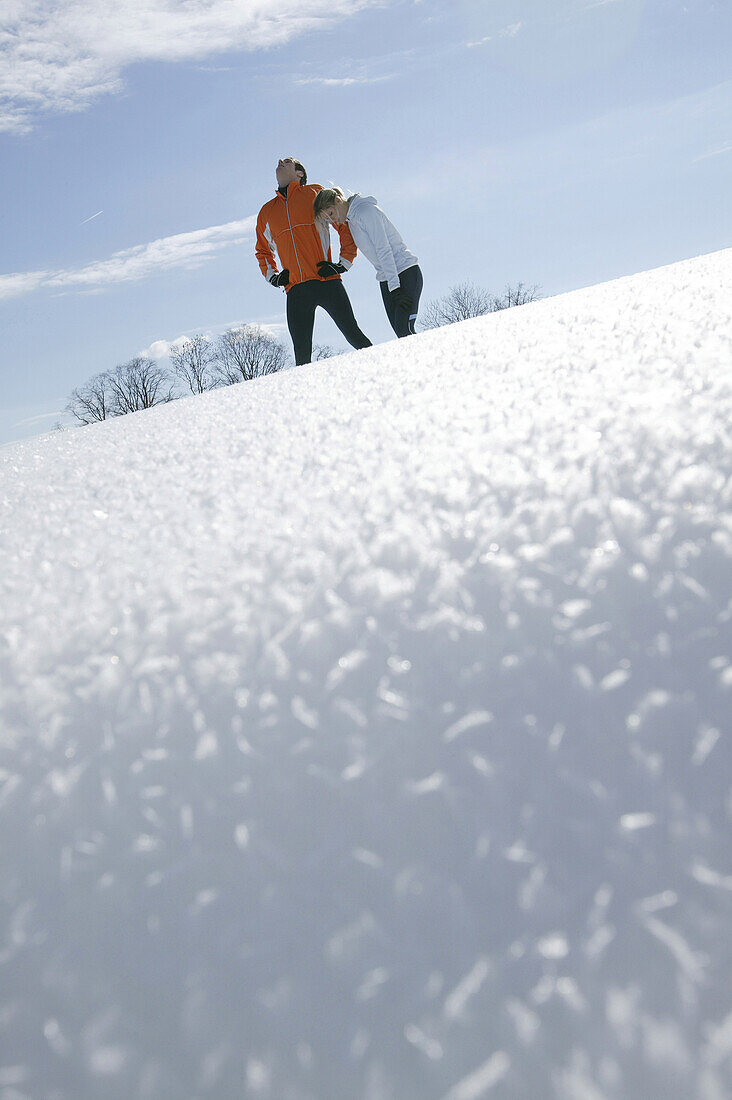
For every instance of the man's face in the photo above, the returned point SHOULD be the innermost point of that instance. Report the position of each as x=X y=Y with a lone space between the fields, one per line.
x=286 y=171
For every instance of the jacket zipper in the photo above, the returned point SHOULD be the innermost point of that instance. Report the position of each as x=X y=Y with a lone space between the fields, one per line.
x=287 y=207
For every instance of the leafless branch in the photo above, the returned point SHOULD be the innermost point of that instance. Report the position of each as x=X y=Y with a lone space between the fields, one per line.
x=466 y=300
x=94 y=400
x=193 y=361
x=248 y=352
x=140 y=384
x=517 y=296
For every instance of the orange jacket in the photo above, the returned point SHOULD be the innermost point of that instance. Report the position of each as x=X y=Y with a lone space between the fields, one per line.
x=287 y=226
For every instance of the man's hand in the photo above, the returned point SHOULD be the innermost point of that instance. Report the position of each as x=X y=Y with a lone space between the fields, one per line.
x=281 y=278
x=326 y=269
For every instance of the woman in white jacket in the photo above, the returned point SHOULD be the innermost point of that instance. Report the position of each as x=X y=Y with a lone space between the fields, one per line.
x=397 y=270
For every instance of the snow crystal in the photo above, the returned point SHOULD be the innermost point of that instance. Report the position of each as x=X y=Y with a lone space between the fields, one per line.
x=631 y=822
x=457 y=1000
x=483 y=1079
x=553 y=946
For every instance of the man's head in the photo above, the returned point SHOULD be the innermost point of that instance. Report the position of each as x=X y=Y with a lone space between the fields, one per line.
x=289 y=169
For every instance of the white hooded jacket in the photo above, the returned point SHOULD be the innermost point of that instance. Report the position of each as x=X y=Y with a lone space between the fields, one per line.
x=378 y=239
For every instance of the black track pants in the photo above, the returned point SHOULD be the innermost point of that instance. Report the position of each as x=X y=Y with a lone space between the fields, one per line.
x=302 y=301
x=402 y=318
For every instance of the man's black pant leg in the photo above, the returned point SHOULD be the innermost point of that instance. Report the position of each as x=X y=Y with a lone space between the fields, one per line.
x=301 y=302
x=337 y=304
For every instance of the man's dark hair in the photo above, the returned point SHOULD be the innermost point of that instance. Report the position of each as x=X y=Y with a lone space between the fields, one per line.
x=301 y=168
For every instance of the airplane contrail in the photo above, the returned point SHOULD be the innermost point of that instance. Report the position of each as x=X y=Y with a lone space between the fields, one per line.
x=91 y=219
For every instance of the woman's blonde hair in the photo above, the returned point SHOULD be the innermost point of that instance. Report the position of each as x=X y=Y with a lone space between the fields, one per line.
x=326 y=197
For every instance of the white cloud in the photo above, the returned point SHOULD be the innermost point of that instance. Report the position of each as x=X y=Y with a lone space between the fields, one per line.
x=160 y=349
x=276 y=328
x=183 y=250
x=21 y=283
x=343 y=81
x=63 y=54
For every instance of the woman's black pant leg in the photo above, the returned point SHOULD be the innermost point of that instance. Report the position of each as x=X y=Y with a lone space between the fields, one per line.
x=402 y=318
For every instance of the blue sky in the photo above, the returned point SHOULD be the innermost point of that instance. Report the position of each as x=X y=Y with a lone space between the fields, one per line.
x=559 y=142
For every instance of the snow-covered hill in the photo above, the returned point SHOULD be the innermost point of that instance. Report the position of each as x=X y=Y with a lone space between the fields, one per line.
x=363 y=726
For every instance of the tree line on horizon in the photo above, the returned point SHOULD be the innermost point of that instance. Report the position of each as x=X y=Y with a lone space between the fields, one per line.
x=199 y=364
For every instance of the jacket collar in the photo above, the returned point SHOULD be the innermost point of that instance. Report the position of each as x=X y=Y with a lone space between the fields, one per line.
x=295 y=183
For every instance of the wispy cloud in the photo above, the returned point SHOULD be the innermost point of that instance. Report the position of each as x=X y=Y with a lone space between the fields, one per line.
x=343 y=81
x=31 y=421
x=184 y=250
x=507 y=32
x=62 y=54
x=22 y=283
x=349 y=71
x=726 y=148
x=596 y=148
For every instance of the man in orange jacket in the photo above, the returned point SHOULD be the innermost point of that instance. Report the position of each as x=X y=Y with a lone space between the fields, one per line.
x=286 y=225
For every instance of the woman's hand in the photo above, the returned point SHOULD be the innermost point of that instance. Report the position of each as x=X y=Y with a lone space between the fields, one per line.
x=326 y=268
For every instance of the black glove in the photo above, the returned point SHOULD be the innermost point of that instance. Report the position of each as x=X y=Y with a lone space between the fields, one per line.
x=400 y=298
x=281 y=279
x=326 y=268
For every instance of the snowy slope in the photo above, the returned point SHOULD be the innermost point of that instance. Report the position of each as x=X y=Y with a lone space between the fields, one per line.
x=363 y=726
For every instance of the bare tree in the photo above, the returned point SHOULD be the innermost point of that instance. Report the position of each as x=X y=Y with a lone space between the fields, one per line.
x=238 y=355
x=93 y=401
x=466 y=300
x=248 y=352
x=140 y=384
x=517 y=296
x=462 y=301
x=324 y=351
x=193 y=362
